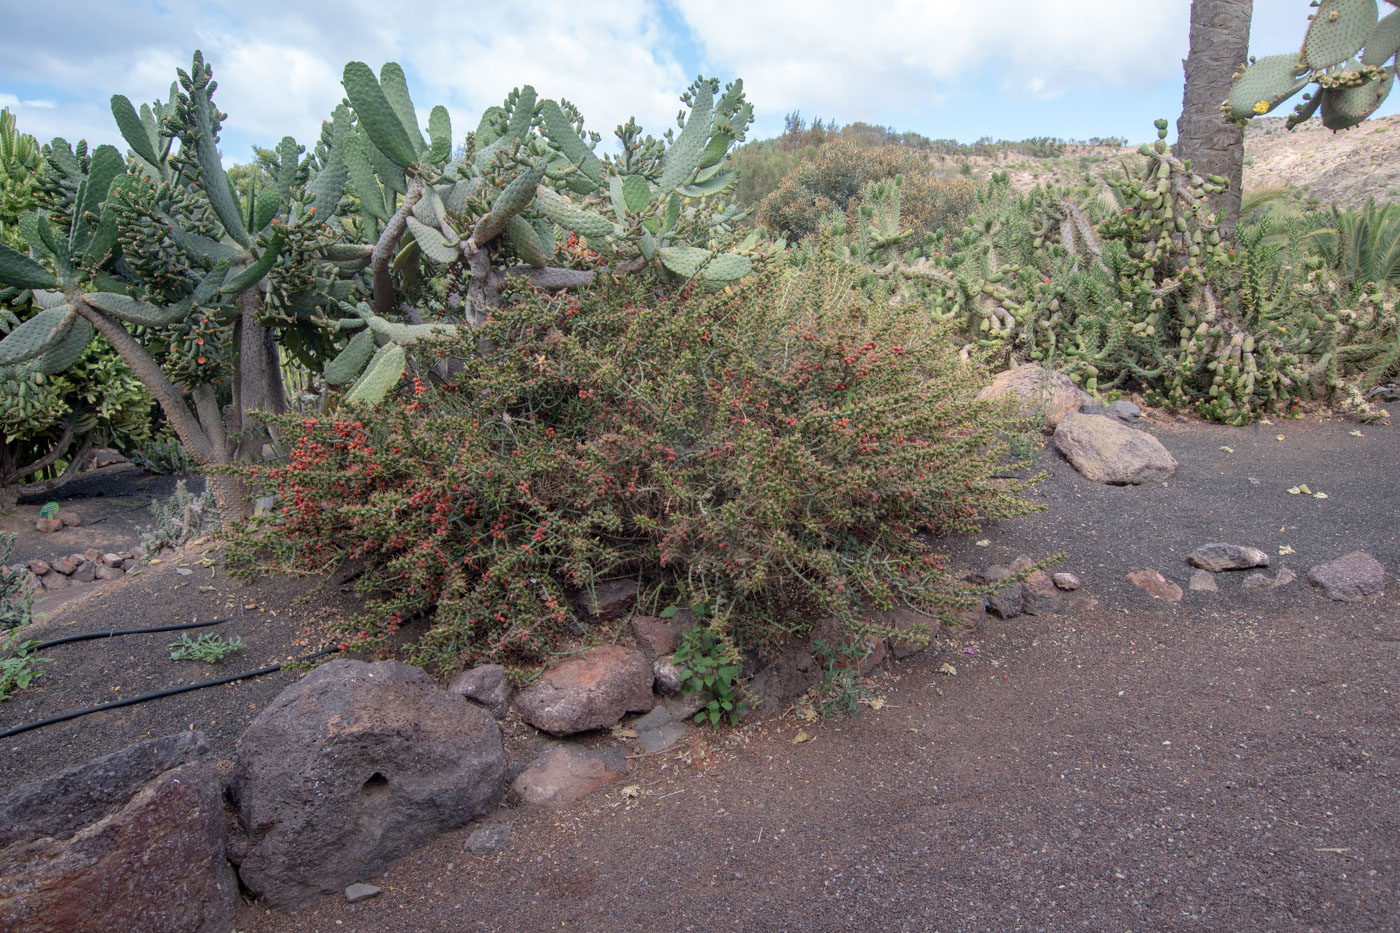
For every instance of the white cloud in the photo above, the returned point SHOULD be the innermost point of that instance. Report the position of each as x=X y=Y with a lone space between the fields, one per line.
x=855 y=63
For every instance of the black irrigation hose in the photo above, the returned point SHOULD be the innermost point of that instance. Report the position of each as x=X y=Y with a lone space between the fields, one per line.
x=112 y=633
x=129 y=701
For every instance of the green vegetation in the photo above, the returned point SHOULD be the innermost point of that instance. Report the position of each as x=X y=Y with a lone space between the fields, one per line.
x=15 y=594
x=707 y=663
x=18 y=667
x=211 y=649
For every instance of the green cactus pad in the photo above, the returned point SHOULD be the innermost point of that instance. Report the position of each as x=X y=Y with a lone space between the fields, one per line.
x=1384 y=41
x=350 y=362
x=557 y=208
x=431 y=242
x=133 y=130
x=376 y=115
x=523 y=116
x=714 y=185
x=440 y=131
x=36 y=335
x=684 y=261
x=1266 y=84
x=430 y=209
x=213 y=181
x=128 y=309
x=1338 y=31
x=636 y=193
x=560 y=132
x=20 y=271
x=683 y=157
x=395 y=87
x=65 y=352
x=1344 y=107
x=526 y=243
x=726 y=267
x=406 y=335
x=383 y=373
x=266 y=209
x=512 y=200
x=252 y=274
x=107 y=163
x=361 y=178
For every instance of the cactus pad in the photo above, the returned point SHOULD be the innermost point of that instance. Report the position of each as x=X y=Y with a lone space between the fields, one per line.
x=66 y=350
x=726 y=267
x=557 y=208
x=36 y=335
x=431 y=242
x=440 y=131
x=1384 y=41
x=560 y=132
x=20 y=271
x=134 y=131
x=512 y=200
x=1338 y=31
x=1344 y=107
x=376 y=115
x=128 y=309
x=526 y=242
x=384 y=372
x=351 y=361
x=636 y=193
x=684 y=261
x=683 y=157
x=1266 y=84
x=395 y=88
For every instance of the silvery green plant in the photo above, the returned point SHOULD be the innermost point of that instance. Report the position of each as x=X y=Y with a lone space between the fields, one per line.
x=205 y=289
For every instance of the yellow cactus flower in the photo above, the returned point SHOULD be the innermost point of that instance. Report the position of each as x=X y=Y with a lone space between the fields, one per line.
x=1262 y=107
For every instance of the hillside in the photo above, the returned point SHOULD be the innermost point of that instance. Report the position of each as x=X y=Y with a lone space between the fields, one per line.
x=1342 y=168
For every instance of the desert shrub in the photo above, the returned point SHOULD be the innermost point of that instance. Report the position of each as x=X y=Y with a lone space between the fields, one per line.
x=828 y=180
x=776 y=450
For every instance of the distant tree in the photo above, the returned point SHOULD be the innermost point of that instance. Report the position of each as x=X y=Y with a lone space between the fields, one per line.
x=1215 y=146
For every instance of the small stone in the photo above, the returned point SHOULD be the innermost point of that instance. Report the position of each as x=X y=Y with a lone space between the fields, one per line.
x=1083 y=604
x=128 y=563
x=1066 y=581
x=488 y=685
x=566 y=773
x=1256 y=580
x=1038 y=595
x=76 y=559
x=48 y=525
x=1349 y=578
x=55 y=581
x=658 y=740
x=1202 y=581
x=112 y=560
x=93 y=554
x=657 y=636
x=609 y=601
x=685 y=705
x=64 y=566
x=183 y=571
x=40 y=567
x=489 y=839
x=1124 y=411
x=655 y=719
x=1284 y=577
x=70 y=519
x=361 y=892
x=86 y=572
x=103 y=572
x=1156 y=585
x=1219 y=557
x=589 y=691
x=666 y=676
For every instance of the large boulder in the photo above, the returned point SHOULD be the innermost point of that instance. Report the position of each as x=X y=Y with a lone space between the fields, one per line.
x=134 y=840
x=352 y=766
x=1350 y=577
x=591 y=691
x=1108 y=451
x=1041 y=394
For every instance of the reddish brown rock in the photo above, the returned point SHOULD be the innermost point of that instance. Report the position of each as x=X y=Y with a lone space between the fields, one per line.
x=1156 y=584
x=1350 y=578
x=64 y=566
x=608 y=601
x=1038 y=393
x=591 y=691
x=48 y=525
x=132 y=841
x=1039 y=597
x=40 y=567
x=70 y=519
x=657 y=636
x=487 y=685
x=566 y=773
x=907 y=620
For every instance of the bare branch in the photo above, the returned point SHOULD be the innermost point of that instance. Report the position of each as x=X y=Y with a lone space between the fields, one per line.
x=383 y=255
x=74 y=466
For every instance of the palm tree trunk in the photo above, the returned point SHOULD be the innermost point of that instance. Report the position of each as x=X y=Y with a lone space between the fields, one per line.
x=1219 y=46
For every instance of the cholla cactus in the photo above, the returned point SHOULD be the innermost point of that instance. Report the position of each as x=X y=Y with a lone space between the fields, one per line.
x=1349 y=52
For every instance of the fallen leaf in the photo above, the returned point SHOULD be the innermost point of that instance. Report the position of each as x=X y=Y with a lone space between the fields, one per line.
x=1293 y=491
x=948 y=669
x=1303 y=488
x=624 y=733
x=1265 y=421
x=155 y=560
x=984 y=543
x=806 y=714
x=1356 y=434
x=1280 y=437
x=250 y=605
x=632 y=791
x=800 y=738
x=1284 y=550
x=1319 y=495
x=1228 y=450
x=878 y=703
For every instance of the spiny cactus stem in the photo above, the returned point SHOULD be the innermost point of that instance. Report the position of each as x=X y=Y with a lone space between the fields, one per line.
x=383 y=256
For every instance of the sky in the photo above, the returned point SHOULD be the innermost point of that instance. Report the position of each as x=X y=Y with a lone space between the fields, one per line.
x=960 y=69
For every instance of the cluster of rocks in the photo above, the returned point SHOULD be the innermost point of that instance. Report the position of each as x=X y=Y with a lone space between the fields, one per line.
x=59 y=522
x=1349 y=578
x=90 y=566
x=1036 y=594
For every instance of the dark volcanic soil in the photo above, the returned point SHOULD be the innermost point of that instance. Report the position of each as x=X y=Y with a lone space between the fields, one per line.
x=1229 y=762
